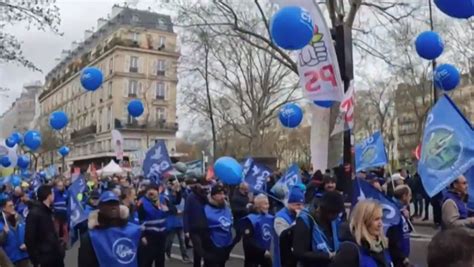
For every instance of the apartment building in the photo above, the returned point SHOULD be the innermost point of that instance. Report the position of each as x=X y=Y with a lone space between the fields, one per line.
x=137 y=53
x=21 y=113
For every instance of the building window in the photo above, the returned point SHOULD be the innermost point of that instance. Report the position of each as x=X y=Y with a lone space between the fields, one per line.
x=100 y=121
x=109 y=117
x=111 y=65
x=132 y=88
x=133 y=64
x=160 y=67
x=162 y=42
x=161 y=114
x=135 y=36
x=131 y=144
x=135 y=18
x=110 y=89
x=160 y=90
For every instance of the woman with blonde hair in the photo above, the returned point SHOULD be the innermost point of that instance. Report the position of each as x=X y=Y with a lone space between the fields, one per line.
x=368 y=246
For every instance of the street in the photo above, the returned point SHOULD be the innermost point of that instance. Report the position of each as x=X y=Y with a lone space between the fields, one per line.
x=419 y=245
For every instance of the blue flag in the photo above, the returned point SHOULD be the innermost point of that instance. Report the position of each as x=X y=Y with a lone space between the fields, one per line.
x=447 y=149
x=51 y=171
x=364 y=190
x=246 y=166
x=157 y=161
x=256 y=175
x=75 y=208
x=291 y=177
x=370 y=153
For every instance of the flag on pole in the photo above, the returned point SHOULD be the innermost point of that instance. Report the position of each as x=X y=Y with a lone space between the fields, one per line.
x=345 y=119
x=447 y=149
x=364 y=190
x=288 y=180
x=256 y=175
x=370 y=153
x=157 y=161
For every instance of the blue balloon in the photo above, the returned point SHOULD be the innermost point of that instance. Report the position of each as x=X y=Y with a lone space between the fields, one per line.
x=290 y=115
x=135 y=108
x=17 y=137
x=42 y=174
x=228 y=170
x=91 y=78
x=461 y=9
x=292 y=28
x=429 y=45
x=58 y=120
x=26 y=173
x=5 y=162
x=23 y=162
x=32 y=140
x=446 y=77
x=324 y=104
x=15 y=180
x=10 y=142
x=64 y=151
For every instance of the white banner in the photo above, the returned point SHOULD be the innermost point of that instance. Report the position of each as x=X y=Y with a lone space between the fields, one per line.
x=320 y=79
x=345 y=119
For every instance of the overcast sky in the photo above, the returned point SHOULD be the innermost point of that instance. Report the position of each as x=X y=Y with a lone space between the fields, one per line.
x=43 y=47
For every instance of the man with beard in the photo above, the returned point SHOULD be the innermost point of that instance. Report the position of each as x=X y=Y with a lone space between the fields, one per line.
x=111 y=239
x=213 y=239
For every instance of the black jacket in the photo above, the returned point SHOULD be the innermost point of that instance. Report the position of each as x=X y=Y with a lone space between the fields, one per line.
x=41 y=240
x=238 y=204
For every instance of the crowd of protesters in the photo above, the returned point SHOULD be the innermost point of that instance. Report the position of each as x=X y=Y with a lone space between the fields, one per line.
x=309 y=226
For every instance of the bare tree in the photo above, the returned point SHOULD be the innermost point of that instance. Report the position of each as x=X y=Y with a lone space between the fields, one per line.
x=42 y=15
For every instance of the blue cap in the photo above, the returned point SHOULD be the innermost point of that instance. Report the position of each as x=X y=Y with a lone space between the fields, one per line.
x=108 y=196
x=296 y=195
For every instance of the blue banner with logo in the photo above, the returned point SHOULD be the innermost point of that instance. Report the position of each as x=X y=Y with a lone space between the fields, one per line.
x=157 y=161
x=75 y=208
x=364 y=190
x=291 y=177
x=470 y=182
x=256 y=175
x=447 y=149
x=370 y=153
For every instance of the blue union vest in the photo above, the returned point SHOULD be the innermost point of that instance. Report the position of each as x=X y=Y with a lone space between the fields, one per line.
x=290 y=219
x=463 y=213
x=116 y=246
x=155 y=219
x=60 y=202
x=220 y=225
x=365 y=260
x=319 y=241
x=262 y=228
x=15 y=238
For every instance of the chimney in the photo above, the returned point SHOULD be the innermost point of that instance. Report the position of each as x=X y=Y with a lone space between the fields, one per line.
x=87 y=34
x=101 y=22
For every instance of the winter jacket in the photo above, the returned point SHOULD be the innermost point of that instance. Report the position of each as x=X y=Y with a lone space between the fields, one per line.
x=12 y=240
x=41 y=239
x=238 y=204
x=194 y=216
x=87 y=256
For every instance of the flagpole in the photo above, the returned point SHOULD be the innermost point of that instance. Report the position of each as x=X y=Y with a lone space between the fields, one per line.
x=433 y=62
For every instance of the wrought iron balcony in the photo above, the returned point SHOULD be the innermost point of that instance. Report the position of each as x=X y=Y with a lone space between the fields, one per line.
x=84 y=133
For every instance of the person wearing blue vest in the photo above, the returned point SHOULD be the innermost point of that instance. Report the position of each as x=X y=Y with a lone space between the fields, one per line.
x=111 y=239
x=365 y=244
x=454 y=210
x=12 y=237
x=60 y=211
x=153 y=212
x=175 y=220
x=257 y=234
x=315 y=237
x=284 y=219
x=399 y=235
x=214 y=239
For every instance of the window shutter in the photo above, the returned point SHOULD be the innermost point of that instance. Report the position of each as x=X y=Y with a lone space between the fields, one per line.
x=166 y=91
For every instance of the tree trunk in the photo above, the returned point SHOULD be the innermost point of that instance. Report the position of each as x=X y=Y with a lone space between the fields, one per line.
x=209 y=100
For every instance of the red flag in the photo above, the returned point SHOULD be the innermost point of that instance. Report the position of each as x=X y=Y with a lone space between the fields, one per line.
x=417 y=152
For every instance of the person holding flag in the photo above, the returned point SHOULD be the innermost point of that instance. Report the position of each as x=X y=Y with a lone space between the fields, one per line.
x=60 y=210
x=368 y=245
x=257 y=234
x=12 y=237
x=111 y=239
x=316 y=238
x=153 y=212
x=454 y=209
x=284 y=219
